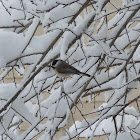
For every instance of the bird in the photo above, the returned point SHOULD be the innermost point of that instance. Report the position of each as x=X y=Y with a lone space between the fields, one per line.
x=64 y=70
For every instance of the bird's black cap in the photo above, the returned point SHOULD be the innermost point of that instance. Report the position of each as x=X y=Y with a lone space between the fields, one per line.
x=54 y=62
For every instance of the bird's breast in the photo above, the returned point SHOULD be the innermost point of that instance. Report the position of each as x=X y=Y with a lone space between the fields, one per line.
x=63 y=75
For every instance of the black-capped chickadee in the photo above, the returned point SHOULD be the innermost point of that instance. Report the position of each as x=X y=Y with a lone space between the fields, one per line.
x=63 y=69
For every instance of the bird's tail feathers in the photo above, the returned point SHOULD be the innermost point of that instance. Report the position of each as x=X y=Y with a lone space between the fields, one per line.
x=85 y=74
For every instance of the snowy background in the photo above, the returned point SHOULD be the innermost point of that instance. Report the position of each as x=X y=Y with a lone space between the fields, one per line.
x=103 y=43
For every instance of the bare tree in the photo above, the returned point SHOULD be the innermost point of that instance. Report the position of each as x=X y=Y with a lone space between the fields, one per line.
x=101 y=42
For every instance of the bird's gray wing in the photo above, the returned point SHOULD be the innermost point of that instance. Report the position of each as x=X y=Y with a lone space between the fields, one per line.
x=67 y=69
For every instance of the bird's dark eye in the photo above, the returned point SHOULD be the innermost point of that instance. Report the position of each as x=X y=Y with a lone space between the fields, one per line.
x=54 y=62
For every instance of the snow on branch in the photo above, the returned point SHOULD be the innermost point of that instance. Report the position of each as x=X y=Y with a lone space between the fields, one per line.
x=99 y=38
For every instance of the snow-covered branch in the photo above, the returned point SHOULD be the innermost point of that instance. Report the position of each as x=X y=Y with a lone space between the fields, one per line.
x=89 y=36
